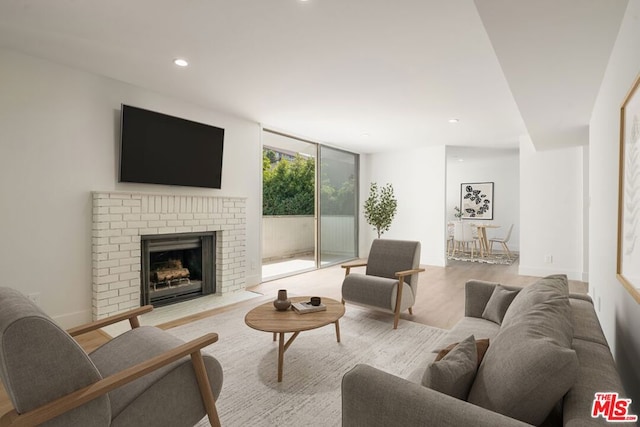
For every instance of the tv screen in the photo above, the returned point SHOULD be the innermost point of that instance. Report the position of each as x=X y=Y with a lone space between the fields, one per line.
x=159 y=149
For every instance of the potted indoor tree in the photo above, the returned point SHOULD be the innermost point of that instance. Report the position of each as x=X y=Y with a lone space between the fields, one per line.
x=380 y=208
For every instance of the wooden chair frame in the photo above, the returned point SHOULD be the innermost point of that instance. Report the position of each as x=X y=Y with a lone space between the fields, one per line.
x=400 y=275
x=80 y=397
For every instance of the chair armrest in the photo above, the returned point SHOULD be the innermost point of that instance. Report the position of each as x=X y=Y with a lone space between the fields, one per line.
x=80 y=397
x=409 y=272
x=374 y=398
x=131 y=316
x=348 y=266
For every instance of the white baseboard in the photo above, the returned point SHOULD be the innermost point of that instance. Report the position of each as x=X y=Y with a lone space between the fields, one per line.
x=435 y=261
x=253 y=280
x=523 y=270
x=70 y=320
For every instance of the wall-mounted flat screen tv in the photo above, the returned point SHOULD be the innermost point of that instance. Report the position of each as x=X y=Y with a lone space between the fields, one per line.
x=159 y=149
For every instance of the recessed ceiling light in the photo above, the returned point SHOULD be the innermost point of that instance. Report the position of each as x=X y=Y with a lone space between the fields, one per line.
x=454 y=120
x=180 y=62
x=365 y=135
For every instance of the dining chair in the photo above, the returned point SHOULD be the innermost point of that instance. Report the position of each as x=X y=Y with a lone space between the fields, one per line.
x=463 y=237
x=503 y=241
x=450 y=242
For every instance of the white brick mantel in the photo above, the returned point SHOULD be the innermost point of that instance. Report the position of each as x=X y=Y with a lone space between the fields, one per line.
x=120 y=218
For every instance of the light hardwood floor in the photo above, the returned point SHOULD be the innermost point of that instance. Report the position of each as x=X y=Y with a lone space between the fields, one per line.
x=440 y=299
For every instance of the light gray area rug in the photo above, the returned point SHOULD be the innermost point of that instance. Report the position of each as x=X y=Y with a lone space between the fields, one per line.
x=495 y=258
x=313 y=365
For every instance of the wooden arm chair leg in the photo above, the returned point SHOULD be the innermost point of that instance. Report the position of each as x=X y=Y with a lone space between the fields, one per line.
x=396 y=316
x=205 y=388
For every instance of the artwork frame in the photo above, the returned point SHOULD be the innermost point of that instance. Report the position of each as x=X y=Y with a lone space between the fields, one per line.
x=628 y=253
x=476 y=200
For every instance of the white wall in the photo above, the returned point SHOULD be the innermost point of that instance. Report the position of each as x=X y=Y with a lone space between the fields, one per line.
x=59 y=132
x=619 y=314
x=551 y=211
x=418 y=178
x=502 y=167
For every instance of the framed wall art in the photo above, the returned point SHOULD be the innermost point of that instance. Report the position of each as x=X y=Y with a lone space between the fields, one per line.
x=476 y=200
x=628 y=259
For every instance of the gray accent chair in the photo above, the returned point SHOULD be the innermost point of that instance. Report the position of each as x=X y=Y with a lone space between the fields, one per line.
x=142 y=377
x=390 y=282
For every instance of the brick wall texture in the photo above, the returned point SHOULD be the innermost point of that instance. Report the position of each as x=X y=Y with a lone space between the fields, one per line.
x=119 y=219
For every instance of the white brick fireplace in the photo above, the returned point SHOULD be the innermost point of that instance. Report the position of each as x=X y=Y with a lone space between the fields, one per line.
x=119 y=219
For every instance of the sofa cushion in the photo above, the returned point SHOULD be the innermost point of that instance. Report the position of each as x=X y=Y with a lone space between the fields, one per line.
x=454 y=374
x=545 y=289
x=466 y=326
x=525 y=373
x=498 y=304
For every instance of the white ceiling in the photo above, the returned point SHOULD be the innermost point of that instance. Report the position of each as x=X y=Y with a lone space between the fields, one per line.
x=334 y=70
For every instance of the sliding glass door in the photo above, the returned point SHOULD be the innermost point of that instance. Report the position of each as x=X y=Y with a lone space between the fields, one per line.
x=309 y=206
x=288 y=205
x=338 y=206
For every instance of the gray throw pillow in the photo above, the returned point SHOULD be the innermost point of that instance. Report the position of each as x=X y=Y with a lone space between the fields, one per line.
x=454 y=373
x=498 y=304
x=525 y=373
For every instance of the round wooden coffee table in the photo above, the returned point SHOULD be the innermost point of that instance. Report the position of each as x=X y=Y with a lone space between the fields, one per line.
x=266 y=318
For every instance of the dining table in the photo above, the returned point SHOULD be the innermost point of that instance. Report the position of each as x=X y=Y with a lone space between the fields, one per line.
x=482 y=236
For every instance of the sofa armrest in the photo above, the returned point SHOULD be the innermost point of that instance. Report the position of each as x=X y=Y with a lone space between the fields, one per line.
x=582 y=297
x=372 y=398
x=476 y=296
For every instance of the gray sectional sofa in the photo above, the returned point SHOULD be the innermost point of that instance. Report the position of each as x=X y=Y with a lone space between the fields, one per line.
x=546 y=359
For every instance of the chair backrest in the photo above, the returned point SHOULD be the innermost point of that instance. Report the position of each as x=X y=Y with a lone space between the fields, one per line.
x=387 y=257
x=463 y=232
x=508 y=236
x=40 y=362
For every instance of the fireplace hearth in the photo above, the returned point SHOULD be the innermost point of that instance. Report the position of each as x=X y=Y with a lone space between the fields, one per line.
x=176 y=267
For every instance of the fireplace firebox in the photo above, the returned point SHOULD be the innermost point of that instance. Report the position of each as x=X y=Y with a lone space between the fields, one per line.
x=176 y=267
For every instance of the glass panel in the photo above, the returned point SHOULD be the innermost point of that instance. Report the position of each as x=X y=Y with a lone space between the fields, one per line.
x=338 y=226
x=288 y=206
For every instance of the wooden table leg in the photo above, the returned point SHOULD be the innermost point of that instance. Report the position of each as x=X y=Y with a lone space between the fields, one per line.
x=482 y=234
x=338 y=330
x=282 y=347
x=280 y=356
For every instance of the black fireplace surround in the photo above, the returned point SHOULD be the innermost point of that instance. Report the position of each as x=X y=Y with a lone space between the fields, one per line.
x=177 y=267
